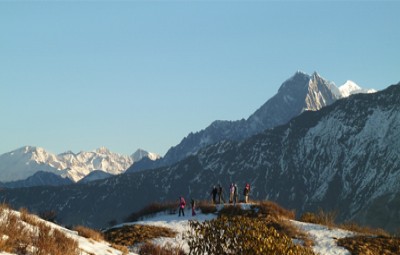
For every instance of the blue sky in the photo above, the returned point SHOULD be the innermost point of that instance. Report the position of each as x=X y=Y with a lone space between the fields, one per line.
x=77 y=75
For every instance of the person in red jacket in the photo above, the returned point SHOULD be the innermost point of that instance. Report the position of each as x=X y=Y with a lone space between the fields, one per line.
x=182 y=204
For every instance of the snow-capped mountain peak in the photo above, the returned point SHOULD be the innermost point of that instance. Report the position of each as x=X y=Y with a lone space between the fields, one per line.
x=348 y=88
x=140 y=153
x=351 y=88
x=26 y=161
x=103 y=150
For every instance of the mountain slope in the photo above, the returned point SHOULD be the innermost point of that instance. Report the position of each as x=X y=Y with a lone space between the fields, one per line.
x=301 y=92
x=38 y=179
x=95 y=175
x=344 y=157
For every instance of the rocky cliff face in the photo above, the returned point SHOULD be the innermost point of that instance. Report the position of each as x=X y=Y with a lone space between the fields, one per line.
x=344 y=157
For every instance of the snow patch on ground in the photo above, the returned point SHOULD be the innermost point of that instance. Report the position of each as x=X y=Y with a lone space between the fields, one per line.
x=177 y=224
x=324 y=238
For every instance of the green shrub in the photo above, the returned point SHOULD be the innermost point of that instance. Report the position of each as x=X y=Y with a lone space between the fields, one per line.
x=239 y=235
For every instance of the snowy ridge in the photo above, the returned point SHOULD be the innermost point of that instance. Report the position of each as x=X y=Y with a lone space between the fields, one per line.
x=26 y=161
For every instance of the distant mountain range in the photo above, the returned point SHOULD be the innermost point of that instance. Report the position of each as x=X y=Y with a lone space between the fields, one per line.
x=25 y=162
x=301 y=92
x=344 y=157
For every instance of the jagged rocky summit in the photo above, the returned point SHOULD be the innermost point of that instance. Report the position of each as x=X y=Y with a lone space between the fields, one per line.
x=301 y=92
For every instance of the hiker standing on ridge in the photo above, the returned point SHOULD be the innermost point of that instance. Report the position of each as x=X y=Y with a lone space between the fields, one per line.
x=193 y=204
x=235 y=194
x=220 y=194
x=214 y=193
x=246 y=192
x=182 y=204
x=231 y=193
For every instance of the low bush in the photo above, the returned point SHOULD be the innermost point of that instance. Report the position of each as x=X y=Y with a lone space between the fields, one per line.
x=206 y=207
x=354 y=227
x=234 y=210
x=322 y=217
x=274 y=210
x=240 y=235
x=135 y=234
x=89 y=233
x=371 y=245
x=50 y=215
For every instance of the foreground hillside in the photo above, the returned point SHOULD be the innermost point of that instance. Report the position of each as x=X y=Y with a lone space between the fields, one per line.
x=255 y=228
x=252 y=226
x=24 y=233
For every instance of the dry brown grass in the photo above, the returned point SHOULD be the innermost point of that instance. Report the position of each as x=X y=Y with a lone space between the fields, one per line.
x=365 y=230
x=262 y=209
x=369 y=241
x=121 y=248
x=149 y=248
x=321 y=217
x=25 y=234
x=206 y=207
x=152 y=209
x=274 y=210
x=328 y=219
x=367 y=245
x=89 y=233
x=135 y=234
x=234 y=210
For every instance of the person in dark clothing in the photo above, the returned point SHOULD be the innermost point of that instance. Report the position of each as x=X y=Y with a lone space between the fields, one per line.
x=193 y=204
x=182 y=204
x=246 y=193
x=220 y=194
x=214 y=193
x=235 y=194
x=231 y=192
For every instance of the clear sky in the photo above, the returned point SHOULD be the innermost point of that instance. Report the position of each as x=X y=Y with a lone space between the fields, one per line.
x=77 y=75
